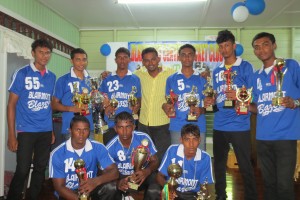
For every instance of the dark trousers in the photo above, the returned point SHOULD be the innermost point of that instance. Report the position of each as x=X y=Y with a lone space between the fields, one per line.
x=241 y=142
x=110 y=134
x=38 y=145
x=277 y=160
x=160 y=136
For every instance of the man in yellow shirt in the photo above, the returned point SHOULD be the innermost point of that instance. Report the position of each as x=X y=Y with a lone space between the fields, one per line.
x=153 y=120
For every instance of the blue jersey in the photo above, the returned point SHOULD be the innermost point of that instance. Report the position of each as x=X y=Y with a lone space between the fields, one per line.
x=120 y=88
x=195 y=171
x=34 y=91
x=62 y=158
x=122 y=155
x=64 y=92
x=182 y=86
x=227 y=119
x=277 y=122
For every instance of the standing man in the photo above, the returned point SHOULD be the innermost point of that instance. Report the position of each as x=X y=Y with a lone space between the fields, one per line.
x=277 y=127
x=153 y=120
x=29 y=118
x=229 y=127
x=94 y=154
x=64 y=91
x=181 y=83
x=118 y=85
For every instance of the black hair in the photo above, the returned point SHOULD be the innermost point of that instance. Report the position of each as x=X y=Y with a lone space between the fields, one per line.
x=225 y=36
x=122 y=50
x=41 y=43
x=187 y=46
x=264 y=34
x=190 y=129
x=77 y=51
x=79 y=118
x=123 y=116
x=149 y=50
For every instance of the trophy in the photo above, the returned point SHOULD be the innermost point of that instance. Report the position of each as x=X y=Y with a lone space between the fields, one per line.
x=174 y=172
x=229 y=76
x=209 y=92
x=243 y=95
x=203 y=193
x=140 y=158
x=171 y=99
x=85 y=101
x=192 y=101
x=114 y=104
x=100 y=127
x=279 y=74
x=76 y=96
x=82 y=176
x=133 y=101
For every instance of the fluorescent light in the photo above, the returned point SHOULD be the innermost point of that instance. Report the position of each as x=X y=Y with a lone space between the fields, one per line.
x=155 y=1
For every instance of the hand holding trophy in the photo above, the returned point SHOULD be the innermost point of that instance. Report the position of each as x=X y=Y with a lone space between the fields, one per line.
x=243 y=95
x=203 y=193
x=279 y=63
x=171 y=99
x=210 y=92
x=133 y=101
x=192 y=101
x=229 y=76
x=82 y=176
x=174 y=171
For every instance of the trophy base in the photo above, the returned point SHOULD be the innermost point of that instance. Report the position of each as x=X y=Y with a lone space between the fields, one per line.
x=211 y=109
x=133 y=186
x=277 y=101
x=191 y=118
x=112 y=117
x=83 y=197
x=242 y=111
x=135 y=116
x=229 y=104
x=98 y=137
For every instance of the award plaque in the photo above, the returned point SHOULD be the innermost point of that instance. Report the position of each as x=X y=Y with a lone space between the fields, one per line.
x=133 y=101
x=210 y=92
x=171 y=99
x=192 y=101
x=114 y=104
x=243 y=95
x=82 y=176
x=85 y=101
x=203 y=193
x=229 y=76
x=279 y=63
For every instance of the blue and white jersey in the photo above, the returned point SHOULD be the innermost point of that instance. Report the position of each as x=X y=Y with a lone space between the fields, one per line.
x=182 y=86
x=120 y=88
x=33 y=110
x=194 y=171
x=227 y=119
x=62 y=158
x=277 y=122
x=122 y=155
x=64 y=92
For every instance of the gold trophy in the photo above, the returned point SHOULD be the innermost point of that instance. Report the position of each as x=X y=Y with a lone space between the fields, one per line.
x=140 y=158
x=210 y=92
x=174 y=172
x=243 y=95
x=100 y=127
x=171 y=99
x=229 y=76
x=82 y=176
x=133 y=101
x=85 y=101
x=279 y=63
x=192 y=101
x=114 y=104
x=203 y=193
x=76 y=96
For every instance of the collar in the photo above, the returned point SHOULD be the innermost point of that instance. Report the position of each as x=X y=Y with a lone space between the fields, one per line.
x=87 y=147
x=115 y=73
x=237 y=62
x=180 y=153
x=35 y=69
x=85 y=73
x=195 y=72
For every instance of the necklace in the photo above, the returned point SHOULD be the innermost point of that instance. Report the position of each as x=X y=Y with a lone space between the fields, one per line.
x=128 y=150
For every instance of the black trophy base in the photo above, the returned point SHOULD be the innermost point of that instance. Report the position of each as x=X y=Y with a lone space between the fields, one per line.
x=229 y=104
x=211 y=109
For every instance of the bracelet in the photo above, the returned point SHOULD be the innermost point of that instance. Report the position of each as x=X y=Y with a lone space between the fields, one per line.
x=296 y=103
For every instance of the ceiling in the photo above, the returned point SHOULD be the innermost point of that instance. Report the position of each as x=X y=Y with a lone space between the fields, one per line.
x=105 y=14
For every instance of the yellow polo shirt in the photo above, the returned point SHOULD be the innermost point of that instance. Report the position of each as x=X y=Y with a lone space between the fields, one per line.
x=153 y=96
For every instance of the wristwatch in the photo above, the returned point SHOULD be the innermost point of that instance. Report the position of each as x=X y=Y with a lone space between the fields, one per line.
x=297 y=103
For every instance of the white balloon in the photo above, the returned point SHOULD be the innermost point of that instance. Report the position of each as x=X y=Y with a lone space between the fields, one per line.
x=240 y=14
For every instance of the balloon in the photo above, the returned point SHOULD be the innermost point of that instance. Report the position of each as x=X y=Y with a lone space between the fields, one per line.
x=240 y=14
x=239 y=50
x=255 y=7
x=236 y=5
x=105 y=50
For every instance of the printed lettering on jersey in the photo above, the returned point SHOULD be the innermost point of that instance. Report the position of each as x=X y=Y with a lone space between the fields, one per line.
x=258 y=84
x=40 y=100
x=265 y=106
x=186 y=184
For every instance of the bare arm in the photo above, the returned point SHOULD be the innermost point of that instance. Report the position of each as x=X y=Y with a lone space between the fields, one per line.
x=253 y=108
x=12 y=142
x=58 y=106
x=63 y=191
x=161 y=179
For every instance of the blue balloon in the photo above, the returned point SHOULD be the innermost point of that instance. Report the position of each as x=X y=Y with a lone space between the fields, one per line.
x=239 y=50
x=105 y=50
x=236 y=5
x=255 y=7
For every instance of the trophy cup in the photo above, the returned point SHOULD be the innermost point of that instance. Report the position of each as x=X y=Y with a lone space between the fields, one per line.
x=243 y=96
x=140 y=158
x=114 y=104
x=82 y=176
x=279 y=63
x=171 y=99
x=192 y=101
x=85 y=101
x=229 y=76
x=133 y=101
x=203 y=193
x=209 y=92
x=174 y=172
x=76 y=96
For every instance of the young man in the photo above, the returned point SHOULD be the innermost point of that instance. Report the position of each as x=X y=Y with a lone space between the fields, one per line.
x=29 y=118
x=118 y=85
x=153 y=120
x=277 y=127
x=121 y=148
x=181 y=83
x=229 y=127
x=94 y=154
x=64 y=91
x=195 y=164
